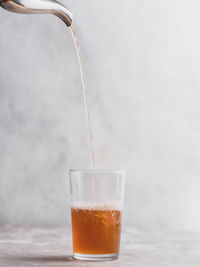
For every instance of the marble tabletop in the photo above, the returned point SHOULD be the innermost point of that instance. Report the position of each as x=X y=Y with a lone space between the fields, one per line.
x=47 y=246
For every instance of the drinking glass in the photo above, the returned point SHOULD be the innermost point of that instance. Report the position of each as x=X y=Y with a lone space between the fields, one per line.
x=96 y=211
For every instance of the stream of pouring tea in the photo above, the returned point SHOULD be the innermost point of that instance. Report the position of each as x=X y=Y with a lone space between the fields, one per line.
x=89 y=130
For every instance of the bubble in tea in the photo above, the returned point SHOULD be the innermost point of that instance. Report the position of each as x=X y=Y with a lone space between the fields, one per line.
x=96 y=230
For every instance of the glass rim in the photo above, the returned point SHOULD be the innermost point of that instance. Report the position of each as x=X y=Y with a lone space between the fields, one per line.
x=96 y=170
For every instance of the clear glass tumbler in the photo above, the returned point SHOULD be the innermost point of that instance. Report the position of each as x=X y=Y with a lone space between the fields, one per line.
x=96 y=211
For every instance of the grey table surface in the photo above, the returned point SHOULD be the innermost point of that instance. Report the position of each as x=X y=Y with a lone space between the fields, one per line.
x=43 y=246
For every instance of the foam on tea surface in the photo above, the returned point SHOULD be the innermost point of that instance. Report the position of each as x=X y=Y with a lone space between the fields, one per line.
x=88 y=205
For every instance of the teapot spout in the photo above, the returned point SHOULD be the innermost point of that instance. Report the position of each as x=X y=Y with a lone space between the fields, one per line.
x=39 y=7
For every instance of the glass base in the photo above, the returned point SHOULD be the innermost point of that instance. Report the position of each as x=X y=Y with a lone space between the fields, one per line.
x=95 y=257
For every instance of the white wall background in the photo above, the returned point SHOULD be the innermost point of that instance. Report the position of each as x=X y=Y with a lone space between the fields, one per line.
x=142 y=65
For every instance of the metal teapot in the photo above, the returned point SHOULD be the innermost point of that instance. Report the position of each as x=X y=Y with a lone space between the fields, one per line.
x=39 y=7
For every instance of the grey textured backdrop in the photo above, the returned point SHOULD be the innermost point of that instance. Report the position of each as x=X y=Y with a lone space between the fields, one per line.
x=142 y=65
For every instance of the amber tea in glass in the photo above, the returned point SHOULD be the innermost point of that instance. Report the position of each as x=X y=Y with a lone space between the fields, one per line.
x=96 y=211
